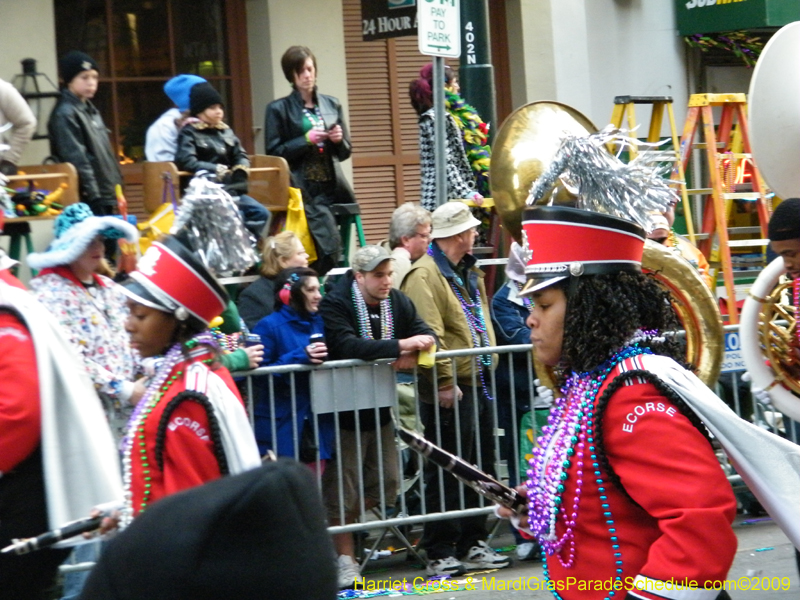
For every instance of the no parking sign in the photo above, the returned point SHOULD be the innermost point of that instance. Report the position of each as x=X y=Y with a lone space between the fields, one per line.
x=733 y=360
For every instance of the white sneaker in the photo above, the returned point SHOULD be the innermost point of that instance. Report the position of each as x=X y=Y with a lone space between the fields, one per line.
x=445 y=566
x=481 y=556
x=348 y=571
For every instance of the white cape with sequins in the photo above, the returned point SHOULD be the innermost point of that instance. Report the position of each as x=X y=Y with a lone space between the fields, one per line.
x=768 y=464
x=80 y=460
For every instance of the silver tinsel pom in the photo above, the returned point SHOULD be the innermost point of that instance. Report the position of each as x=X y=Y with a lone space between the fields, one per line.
x=208 y=221
x=605 y=184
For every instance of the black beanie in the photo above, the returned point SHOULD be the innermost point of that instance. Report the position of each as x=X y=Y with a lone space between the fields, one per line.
x=256 y=536
x=785 y=221
x=73 y=63
x=202 y=96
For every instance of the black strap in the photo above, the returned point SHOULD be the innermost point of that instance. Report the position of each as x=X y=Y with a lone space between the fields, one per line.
x=213 y=428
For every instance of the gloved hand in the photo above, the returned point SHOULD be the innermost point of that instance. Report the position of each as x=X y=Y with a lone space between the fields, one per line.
x=544 y=393
x=520 y=522
x=239 y=175
x=762 y=396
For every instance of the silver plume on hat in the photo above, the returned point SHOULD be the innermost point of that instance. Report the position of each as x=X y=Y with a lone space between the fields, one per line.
x=604 y=184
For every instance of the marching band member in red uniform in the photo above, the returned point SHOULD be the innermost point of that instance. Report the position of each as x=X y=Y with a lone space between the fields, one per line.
x=191 y=426
x=626 y=495
x=57 y=458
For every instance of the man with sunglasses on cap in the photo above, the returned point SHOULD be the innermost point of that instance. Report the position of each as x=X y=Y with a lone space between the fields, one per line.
x=448 y=291
x=366 y=318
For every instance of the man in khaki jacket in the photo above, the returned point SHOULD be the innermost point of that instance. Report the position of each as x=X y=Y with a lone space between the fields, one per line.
x=449 y=294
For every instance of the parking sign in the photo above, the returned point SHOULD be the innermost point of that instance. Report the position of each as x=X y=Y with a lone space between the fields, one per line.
x=439 y=27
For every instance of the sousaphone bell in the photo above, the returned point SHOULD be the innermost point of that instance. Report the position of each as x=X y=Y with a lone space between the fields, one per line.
x=768 y=326
x=524 y=146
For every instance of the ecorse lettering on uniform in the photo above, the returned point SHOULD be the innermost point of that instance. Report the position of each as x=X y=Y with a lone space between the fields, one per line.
x=642 y=409
x=190 y=423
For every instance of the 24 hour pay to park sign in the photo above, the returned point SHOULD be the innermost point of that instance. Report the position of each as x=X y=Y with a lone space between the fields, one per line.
x=438 y=27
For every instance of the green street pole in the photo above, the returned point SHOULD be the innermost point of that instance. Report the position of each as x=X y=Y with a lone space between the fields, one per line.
x=476 y=74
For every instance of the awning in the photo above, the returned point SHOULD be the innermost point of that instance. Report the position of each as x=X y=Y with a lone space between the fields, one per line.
x=709 y=16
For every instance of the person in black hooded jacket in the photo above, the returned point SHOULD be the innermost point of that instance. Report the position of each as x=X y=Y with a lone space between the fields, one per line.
x=79 y=136
x=308 y=130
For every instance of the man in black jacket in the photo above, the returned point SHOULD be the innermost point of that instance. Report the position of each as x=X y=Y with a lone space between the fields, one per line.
x=366 y=318
x=79 y=136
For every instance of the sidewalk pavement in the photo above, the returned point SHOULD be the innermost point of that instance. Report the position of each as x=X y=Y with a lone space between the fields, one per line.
x=765 y=557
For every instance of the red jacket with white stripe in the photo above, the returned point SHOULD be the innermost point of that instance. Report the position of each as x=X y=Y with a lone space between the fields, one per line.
x=189 y=459
x=674 y=524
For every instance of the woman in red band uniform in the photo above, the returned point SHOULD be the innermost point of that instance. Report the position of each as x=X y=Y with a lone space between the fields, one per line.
x=626 y=495
x=191 y=426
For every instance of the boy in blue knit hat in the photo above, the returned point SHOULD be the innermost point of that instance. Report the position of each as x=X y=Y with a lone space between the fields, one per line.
x=162 y=136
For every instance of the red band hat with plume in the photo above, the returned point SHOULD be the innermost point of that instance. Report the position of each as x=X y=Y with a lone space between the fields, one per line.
x=606 y=233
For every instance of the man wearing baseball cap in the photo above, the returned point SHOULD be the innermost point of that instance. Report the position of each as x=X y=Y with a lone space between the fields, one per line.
x=366 y=318
x=79 y=136
x=448 y=291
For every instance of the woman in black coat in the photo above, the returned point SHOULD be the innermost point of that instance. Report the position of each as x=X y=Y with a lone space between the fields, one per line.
x=308 y=130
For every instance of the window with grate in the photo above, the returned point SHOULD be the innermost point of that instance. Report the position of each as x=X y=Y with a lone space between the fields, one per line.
x=140 y=44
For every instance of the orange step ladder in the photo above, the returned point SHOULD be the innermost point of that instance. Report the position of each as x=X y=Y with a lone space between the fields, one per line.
x=715 y=214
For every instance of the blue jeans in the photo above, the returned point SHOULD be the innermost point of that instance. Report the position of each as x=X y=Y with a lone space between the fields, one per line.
x=254 y=214
x=74 y=582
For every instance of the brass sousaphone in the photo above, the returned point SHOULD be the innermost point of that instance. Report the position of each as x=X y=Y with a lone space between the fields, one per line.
x=768 y=327
x=524 y=147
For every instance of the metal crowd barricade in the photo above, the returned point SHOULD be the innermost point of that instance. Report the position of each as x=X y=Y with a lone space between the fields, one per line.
x=342 y=385
x=339 y=386
x=342 y=389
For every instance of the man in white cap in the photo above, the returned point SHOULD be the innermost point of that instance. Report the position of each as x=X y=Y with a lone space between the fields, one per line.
x=448 y=291
x=665 y=235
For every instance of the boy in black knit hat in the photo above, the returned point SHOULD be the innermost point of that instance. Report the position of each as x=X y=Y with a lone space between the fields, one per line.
x=207 y=143
x=79 y=136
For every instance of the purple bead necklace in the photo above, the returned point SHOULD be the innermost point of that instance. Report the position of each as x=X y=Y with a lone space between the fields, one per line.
x=565 y=439
x=477 y=329
x=156 y=388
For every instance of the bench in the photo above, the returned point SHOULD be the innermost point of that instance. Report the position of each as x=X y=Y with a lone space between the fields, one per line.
x=268 y=182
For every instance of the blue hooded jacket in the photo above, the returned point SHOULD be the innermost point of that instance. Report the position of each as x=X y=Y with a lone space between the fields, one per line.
x=285 y=334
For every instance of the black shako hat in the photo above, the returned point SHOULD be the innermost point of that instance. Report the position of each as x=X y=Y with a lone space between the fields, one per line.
x=73 y=63
x=201 y=96
x=259 y=535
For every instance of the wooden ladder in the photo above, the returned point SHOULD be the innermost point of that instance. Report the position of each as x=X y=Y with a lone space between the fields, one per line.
x=715 y=214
